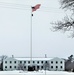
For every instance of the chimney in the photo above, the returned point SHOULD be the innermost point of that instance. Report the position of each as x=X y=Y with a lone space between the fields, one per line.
x=45 y=55
x=12 y=56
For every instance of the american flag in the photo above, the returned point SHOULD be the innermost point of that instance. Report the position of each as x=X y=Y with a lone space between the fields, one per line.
x=36 y=7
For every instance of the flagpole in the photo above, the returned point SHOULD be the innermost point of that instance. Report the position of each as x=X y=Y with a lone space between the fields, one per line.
x=31 y=39
x=32 y=9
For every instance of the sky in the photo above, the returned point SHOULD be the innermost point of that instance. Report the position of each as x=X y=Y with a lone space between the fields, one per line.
x=15 y=25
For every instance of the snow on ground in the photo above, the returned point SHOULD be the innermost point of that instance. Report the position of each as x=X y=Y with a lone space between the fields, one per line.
x=35 y=73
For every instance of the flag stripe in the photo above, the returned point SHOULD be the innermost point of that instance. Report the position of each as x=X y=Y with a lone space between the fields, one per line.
x=36 y=7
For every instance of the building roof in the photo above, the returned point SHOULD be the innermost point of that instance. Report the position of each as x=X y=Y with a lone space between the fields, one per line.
x=33 y=58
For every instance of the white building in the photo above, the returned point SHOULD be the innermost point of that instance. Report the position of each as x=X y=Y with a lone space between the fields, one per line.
x=51 y=64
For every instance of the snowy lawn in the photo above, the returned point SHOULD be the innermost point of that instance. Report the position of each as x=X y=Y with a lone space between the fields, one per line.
x=35 y=73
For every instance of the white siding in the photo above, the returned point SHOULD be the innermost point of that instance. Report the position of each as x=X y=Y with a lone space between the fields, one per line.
x=36 y=64
x=58 y=64
x=8 y=64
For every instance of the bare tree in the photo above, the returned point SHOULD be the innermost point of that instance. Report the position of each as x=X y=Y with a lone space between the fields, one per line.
x=69 y=63
x=67 y=24
x=70 y=57
x=69 y=4
x=2 y=58
x=46 y=65
x=20 y=66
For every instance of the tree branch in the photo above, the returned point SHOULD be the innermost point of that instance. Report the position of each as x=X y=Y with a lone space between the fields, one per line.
x=65 y=25
x=67 y=4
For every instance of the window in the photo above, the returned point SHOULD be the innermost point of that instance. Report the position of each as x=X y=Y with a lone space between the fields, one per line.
x=42 y=62
x=33 y=61
x=42 y=67
x=14 y=66
x=5 y=66
x=56 y=62
x=60 y=66
x=61 y=62
x=20 y=61
x=24 y=61
x=10 y=61
x=56 y=66
x=45 y=61
x=14 y=61
x=10 y=66
x=37 y=67
x=38 y=62
x=24 y=66
x=5 y=61
x=51 y=66
x=28 y=61
x=51 y=62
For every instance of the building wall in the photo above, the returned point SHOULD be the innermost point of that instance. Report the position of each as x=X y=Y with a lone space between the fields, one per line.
x=57 y=64
x=35 y=63
x=52 y=65
x=9 y=64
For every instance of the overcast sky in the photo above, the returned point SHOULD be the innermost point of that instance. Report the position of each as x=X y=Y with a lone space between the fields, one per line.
x=15 y=23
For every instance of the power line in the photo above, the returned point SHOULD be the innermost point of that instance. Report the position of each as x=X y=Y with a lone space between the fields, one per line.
x=14 y=4
x=14 y=8
x=49 y=7
x=27 y=7
x=40 y=10
x=24 y=5
x=52 y=11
